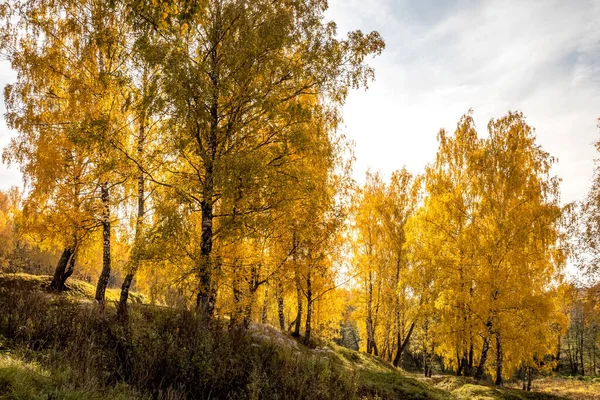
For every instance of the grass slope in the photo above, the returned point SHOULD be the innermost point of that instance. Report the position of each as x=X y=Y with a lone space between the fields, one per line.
x=20 y=380
x=25 y=373
x=75 y=288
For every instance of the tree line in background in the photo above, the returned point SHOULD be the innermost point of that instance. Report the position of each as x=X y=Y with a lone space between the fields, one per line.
x=189 y=151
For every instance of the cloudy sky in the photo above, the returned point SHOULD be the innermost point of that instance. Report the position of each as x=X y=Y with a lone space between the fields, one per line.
x=443 y=57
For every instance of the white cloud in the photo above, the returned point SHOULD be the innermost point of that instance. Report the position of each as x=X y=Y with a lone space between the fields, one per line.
x=542 y=58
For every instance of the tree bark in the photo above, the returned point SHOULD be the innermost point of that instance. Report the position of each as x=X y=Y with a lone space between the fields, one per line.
x=298 y=321
x=460 y=363
x=309 y=300
x=581 y=349
x=237 y=296
x=484 y=352
x=105 y=274
x=135 y=262
x=58 y=279
x=572 y=358
x=369 y=322
x=248 y=309
x=280 y=305
x=68 y=271
x=469 y=369
x=265 y=308
x=402 y=345
x=206 y=294
x=399 y=323
x=253 y=286
x=425 y=338
x=557 y=357
x=499 y=361
x=595 y=333
x=205 y=300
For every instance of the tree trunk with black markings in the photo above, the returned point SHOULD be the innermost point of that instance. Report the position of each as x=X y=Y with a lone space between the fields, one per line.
x=105 y=274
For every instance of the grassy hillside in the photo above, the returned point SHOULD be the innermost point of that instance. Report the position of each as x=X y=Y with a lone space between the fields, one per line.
x=53 y=347
x=75 y=288
x=29 y=380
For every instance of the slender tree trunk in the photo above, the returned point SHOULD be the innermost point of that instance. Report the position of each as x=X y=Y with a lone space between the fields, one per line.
x=375 y=319
x=248 y=309
x=425 y=350
x=399 y=323
x=463 y=364
x=298 y=321
x=122 y=308
x=206 y=293
x=374 y=344
x=572 y=357
x=527 y=377
x=136 y=256
x=205 y=301
x=557 y=357
x=469 y=369
x=499 y=361
x=402 y=345
x=307 y=328
x=431 y=355
x=280 y=305
x=252 y=288
x=482 y=360
x=369 y=321
x=595 y=332
x=581 y=348
x=105 y=274
x=309 y=300
x=385 y=350
x=68 y=271
x=460 y=362
x=234 y=319
x=58 y=279
x=265 y=308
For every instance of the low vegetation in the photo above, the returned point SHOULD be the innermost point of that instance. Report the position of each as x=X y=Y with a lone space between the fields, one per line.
x=56 y=347
x=74 y=288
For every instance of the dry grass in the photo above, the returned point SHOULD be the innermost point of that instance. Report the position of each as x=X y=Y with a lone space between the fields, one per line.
x=569 y=388
x=23 y=380
x=74 y=288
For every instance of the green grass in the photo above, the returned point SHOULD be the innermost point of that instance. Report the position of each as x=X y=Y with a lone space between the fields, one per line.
x=394 y=385
x=377 y=379
x=74 y=288
x=20 y=380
